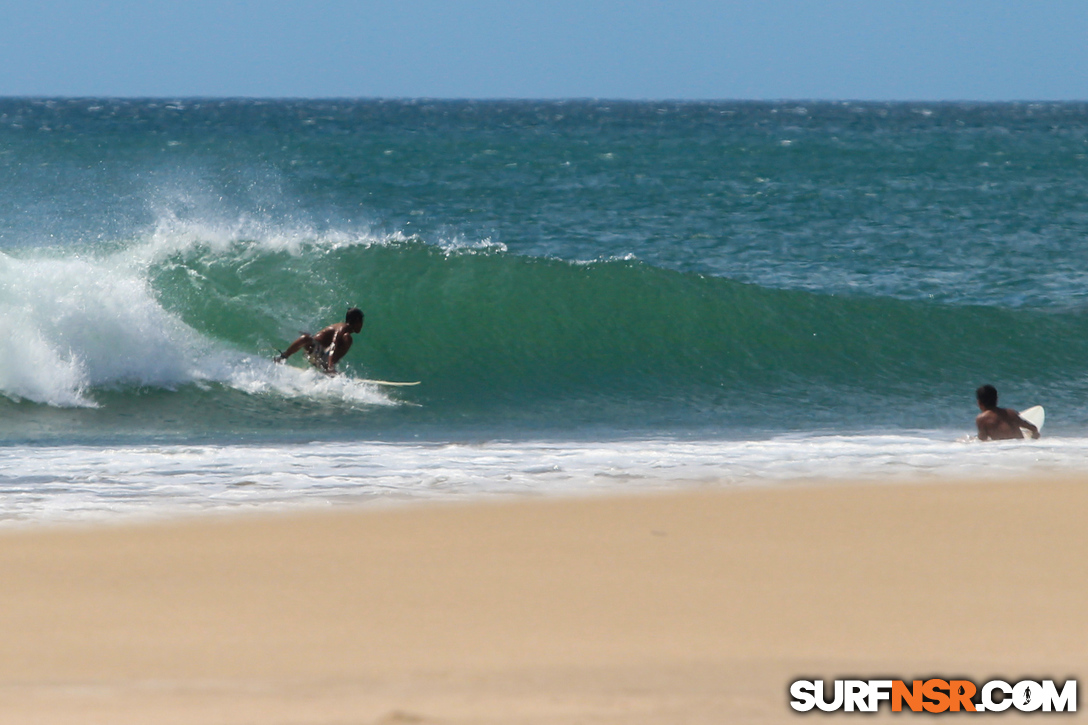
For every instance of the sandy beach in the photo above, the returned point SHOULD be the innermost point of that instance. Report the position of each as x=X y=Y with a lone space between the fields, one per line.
x=686 y=607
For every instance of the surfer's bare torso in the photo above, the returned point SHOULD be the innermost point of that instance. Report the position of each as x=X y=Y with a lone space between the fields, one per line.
x=329 y=345
x=325 y=348
x=1001 y=424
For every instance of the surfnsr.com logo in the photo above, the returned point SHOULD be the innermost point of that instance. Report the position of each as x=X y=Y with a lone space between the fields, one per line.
x=934 y=695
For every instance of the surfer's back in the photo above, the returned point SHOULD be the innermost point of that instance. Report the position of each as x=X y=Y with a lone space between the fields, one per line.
x=998 y=424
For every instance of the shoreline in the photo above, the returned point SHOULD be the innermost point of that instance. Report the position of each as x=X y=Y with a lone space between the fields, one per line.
x=75 y=484
x=653 y=607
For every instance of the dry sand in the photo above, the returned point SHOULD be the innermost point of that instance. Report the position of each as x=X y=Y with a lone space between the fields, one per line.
x=690 y=607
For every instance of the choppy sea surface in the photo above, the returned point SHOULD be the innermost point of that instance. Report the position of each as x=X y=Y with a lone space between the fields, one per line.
x=594 y=296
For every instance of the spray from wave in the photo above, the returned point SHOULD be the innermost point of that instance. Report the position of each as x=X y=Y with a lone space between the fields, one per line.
x=80 y=320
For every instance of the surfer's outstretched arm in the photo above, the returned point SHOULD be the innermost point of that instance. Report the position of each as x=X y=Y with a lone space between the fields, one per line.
x=304 y=341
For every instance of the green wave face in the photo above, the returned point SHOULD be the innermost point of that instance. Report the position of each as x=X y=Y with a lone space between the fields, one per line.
x=484 y=328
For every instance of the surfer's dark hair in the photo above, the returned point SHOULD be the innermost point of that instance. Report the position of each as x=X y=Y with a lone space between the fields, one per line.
x=987 y=395
x=354 y=314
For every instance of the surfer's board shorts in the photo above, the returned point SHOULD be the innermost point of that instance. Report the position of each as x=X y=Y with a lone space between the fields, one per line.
x=318 y=357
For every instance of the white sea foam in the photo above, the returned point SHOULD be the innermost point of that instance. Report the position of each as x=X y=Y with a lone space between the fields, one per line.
x=174 y=233
x=257 y=377
x=80 y=482
x=75 y=323
x=460 y=245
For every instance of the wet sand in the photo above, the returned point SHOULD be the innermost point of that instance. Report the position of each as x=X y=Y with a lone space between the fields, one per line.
x=685 y=607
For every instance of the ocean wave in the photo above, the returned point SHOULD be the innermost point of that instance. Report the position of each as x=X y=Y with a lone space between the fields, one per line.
x=191 y=303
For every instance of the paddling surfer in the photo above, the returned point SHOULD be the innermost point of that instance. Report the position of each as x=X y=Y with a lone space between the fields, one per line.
x=326 y=348
x=998 y=424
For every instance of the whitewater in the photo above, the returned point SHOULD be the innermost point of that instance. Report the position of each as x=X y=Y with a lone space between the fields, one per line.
x=80 y=483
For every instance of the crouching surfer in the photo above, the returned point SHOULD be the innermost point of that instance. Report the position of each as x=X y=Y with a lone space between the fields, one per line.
x=998 y=424
x=325 y=349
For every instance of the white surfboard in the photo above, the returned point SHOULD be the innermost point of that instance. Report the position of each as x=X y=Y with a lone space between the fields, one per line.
x=388 y=382
x=1034 y=415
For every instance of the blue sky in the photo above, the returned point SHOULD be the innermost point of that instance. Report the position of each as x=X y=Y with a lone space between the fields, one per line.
x=684 y=49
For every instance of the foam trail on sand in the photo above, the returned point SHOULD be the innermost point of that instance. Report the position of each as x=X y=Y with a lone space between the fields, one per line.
x=88 y=482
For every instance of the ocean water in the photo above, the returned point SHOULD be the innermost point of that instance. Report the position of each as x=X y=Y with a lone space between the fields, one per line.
x=594 y=295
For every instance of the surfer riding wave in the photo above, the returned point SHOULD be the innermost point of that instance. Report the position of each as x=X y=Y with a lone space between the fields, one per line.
x=325 y=349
